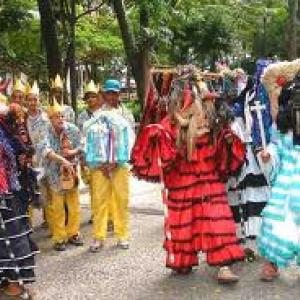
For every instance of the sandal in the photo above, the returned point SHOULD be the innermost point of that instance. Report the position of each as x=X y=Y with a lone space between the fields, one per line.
x=226 y=276
x=269 y=272
x=23 y=295
x=182 y=271
x=76 y=240
x=250 y=255
x=96 y=246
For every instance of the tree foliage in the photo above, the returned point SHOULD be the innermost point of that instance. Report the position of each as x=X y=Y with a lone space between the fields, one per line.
x=161 y=31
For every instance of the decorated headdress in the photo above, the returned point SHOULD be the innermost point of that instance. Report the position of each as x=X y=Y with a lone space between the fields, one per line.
x=19 y=86
x=91 y=87
x=3 y=99
x=54 y=108
x=275 y=76
x=57 y=83
x=34 y=89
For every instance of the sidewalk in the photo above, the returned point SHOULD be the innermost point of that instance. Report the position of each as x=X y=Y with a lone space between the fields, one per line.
x=144 y=196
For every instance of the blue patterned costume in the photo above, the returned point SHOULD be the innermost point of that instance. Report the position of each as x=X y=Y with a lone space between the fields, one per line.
x=108 y=138
x=279 y=239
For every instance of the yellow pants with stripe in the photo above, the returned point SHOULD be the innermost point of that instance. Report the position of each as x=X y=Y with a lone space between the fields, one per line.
x=56 y=215
x=110 y=195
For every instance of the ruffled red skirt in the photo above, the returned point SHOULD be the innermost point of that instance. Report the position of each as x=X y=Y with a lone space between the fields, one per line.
x=199 y=219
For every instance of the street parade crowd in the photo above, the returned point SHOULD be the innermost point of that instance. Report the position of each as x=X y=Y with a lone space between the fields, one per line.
x=224 y=146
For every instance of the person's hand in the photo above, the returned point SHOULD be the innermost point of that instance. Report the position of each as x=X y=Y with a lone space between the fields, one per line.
x=67 y=166
x=229 y=138
x=22 y=159
x=265 y=156
x=111 y=167
x=104 y=170
x=69 y=152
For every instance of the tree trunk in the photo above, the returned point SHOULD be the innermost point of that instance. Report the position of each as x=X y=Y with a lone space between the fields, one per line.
x=50 y=38
x=293 y=24
x=138 y=57
x=73 y=79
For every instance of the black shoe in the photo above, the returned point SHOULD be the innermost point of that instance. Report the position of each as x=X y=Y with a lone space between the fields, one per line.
x=60 y=246
x=76 y=240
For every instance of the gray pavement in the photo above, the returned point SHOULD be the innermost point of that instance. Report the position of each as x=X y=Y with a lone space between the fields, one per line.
x=144 y=196
x=139 y=273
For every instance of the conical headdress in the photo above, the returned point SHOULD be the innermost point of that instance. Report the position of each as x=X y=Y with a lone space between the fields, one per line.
x=19 y=86
x=57 y=83
x=91 y=87
x=34 y=89
x=54 y=108
x=3 y=99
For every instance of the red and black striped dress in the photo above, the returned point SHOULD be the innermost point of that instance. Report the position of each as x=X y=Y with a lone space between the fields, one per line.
x=198 y=215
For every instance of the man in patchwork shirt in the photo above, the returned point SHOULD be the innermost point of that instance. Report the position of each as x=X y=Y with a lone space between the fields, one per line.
x=60 y=151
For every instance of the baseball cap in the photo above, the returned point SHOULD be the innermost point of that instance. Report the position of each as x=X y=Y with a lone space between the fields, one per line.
x=112 y=85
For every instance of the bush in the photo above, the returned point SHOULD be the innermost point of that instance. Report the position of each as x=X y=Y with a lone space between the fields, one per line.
x=135 y=107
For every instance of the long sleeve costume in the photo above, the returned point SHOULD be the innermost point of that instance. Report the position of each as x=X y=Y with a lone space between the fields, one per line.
x=249 y=191
x=16 y=248
x=198 y=215
x=279 y=237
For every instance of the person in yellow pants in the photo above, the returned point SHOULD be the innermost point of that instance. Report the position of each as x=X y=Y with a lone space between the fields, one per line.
x=60 y=150
x=110 y=183
x=110 y=193
x=62 y=232
x=94 y=99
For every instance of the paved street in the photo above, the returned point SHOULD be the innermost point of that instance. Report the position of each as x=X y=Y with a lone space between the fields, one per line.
x=139 y=273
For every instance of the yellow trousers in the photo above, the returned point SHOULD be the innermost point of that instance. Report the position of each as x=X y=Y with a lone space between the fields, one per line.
x=56 y=215
x=46 y=194
x=110 y=195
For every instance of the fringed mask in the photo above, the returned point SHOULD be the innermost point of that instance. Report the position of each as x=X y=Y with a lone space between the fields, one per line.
x=194 y=120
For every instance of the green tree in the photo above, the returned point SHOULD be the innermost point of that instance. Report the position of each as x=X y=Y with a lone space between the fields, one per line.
x=20 y=38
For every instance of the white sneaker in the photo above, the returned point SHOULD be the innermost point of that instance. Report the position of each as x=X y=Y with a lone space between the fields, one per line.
x=123 y=244
x=96 y=246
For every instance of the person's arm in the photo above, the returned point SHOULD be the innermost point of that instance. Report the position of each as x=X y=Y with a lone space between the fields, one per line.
x=51 y=155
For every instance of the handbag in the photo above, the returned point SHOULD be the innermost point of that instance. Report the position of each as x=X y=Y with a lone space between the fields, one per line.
x=66 y=180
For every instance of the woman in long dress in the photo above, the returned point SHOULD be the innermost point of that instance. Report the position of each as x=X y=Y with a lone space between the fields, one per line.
x=16 y=248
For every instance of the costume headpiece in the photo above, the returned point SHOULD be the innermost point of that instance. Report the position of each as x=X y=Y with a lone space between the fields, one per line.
x=91 y=87
x=19 y=86
x=34 y=89
x=3 y=99
x=54 y=108
x=57 y=83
